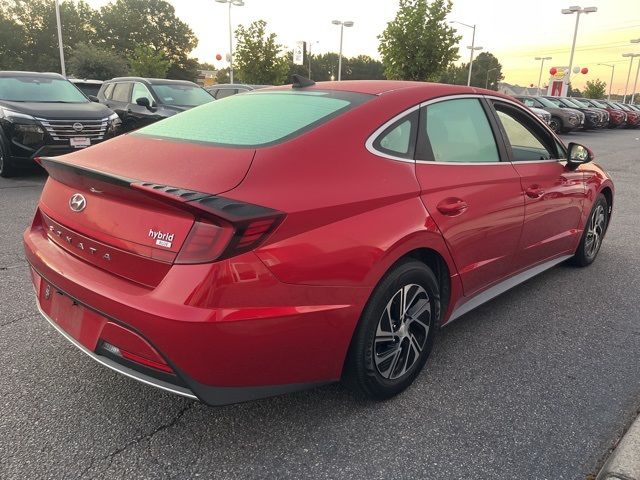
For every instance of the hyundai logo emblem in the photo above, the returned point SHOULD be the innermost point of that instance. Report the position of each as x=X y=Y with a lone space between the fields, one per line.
x=78 y=126
x=77 y=202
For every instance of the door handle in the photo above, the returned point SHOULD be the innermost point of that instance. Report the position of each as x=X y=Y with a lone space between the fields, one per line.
x=452 y=206
x=534 y=191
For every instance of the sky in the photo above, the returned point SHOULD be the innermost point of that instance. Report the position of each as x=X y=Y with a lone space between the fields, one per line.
x=515 y=31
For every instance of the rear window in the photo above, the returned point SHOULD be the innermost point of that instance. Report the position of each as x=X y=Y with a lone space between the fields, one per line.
x=255 y=118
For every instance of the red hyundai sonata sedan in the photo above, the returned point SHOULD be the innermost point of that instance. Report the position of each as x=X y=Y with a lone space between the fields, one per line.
x=295 y=236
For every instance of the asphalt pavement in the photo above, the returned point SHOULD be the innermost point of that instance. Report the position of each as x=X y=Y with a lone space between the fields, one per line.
x=538 y=384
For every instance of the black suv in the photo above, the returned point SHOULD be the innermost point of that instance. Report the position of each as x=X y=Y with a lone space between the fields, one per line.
x=142 y=101
x=45 y=114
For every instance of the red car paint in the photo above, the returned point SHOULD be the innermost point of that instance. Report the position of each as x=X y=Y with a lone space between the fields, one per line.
x=280 y=316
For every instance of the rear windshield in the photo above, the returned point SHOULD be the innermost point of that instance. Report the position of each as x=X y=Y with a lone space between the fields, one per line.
x=39 y=89
x=256 y=118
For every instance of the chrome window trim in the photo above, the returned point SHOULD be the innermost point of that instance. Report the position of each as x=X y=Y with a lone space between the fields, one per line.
x=372 y=138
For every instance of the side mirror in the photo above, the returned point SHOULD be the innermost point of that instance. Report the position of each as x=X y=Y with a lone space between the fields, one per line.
x=578 y=154
x=144 y=102
x=93 y=98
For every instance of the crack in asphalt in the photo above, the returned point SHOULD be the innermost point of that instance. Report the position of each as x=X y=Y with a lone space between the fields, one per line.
x=136 y=441
x=18 y=319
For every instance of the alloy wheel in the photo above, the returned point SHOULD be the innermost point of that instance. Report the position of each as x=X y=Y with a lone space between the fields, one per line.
x=594 y=232
x=402 y=333
x=555 y=125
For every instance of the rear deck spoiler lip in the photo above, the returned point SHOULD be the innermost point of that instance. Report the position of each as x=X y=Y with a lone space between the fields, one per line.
x=197 y=203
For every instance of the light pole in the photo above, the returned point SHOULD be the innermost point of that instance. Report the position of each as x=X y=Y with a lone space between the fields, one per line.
x=62 y=66
x=613 y=69
x=486 y=82
x=342 y=24
x=472 y=47
x=570 y=11
x=635 y=83
x=237 y=3
x=626 y=87
x=541 y=67
x=309 y=55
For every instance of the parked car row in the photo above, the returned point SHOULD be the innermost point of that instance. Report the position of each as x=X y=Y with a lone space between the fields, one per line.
x=45 y=114
x=568 y=114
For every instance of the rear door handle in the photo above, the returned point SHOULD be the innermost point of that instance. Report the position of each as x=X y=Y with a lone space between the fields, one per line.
x=534 y=191
x=452 y=206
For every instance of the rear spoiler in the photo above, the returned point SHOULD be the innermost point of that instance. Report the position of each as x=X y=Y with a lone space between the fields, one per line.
x=197 y=203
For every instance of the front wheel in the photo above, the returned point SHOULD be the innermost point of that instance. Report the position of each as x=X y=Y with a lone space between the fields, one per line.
x=555 y=124
x=6 y=167
x=593 y=234
x=395 y=334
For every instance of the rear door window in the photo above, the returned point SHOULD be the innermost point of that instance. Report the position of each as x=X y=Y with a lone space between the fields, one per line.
x=121 y=92
x=225 y=92
x=456 y=131
x=255 y=118
x=108 y=91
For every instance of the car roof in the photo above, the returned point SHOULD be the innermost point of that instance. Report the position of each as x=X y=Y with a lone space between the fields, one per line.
x=384 y=87
x=152 y=81
x=85 y=80
x=9 y=73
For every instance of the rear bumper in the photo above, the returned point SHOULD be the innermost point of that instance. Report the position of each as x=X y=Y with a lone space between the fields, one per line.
x=229 y=331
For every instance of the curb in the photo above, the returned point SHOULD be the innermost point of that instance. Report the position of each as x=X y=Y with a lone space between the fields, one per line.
x=624 y=461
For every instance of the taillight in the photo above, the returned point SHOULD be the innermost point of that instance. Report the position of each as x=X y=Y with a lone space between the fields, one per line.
x=223 y=227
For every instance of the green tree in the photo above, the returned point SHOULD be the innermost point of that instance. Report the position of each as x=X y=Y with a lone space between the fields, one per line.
x=147 y=62
x=258 y=58
x=418 y=44
x=481 y=65
x=362 y=67
x=595 y=89
x=222 y=75
x=87 y=61
x=28 y=32
x=124 y=25
x=454 y=75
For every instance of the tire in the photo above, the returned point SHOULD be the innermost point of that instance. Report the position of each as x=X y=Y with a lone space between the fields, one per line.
x=6 y=167
x=385 y=355
x=555 y=124
x=593 y=234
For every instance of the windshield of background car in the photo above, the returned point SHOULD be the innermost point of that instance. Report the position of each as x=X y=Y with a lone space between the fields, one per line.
x=573 y=103
x=182 y=95
x=547 y=103
x=39 y=89
x=598 y=104
x=256 y=118
x=580 y=103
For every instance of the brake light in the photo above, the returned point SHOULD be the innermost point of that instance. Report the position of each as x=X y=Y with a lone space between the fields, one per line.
x=205 y=243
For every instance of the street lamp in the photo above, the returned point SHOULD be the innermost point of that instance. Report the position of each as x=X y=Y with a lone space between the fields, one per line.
x=626 y=87
x=347 y=23
x=541 y=67
x=613 y=69
x=635 y=83
x=570 y=11
x=486 y=82
x=237 y=3
x=472 y=47
x=309 y=55
x=62 y=66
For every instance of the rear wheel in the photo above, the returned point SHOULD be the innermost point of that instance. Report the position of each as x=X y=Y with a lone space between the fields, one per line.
x=395 y=333
x=593 y=234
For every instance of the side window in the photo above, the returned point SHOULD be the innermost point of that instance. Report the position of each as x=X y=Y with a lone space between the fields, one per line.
x=399 y=138
x=108 y=91
x=141 y=91
x=528 y=102
x=225 y=92
x=456 y=131
x=121 y=92
x=528 y=141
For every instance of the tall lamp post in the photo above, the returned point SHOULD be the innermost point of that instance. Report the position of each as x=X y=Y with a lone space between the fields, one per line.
x=578 y=11
x=635 y=83
x=613 y=69
x=626 y=87
x=486 y=82
x=347 y=23
x=541 y=67
x=62 y=66
x=309 y=55
x=472 y=47
x=237 y=3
